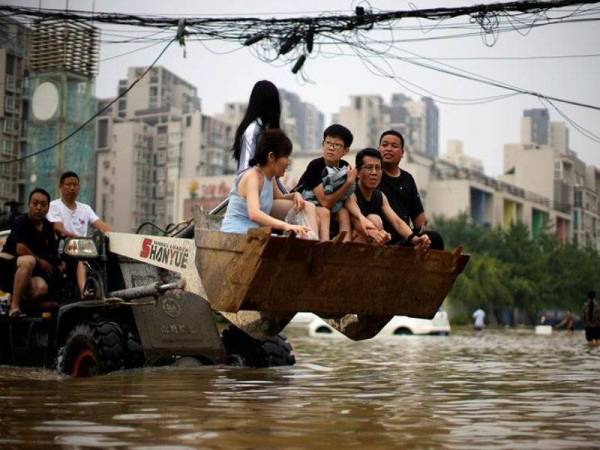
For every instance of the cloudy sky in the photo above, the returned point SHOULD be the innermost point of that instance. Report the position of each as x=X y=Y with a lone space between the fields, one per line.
x=226 y=72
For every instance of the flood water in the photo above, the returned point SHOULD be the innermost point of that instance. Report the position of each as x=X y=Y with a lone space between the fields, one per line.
x=501 y=389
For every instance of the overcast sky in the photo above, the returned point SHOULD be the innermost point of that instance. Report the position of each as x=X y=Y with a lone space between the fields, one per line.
x=484 y=128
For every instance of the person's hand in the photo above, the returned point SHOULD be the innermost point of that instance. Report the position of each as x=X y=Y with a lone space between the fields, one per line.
x=351 y=175
x=298 y=201
x=379 y=237
x=45 y=266
x=422 y=241
x=364 y=225
x=300 y=230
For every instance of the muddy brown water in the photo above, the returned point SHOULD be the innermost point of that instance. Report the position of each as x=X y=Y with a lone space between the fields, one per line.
x=501 y=389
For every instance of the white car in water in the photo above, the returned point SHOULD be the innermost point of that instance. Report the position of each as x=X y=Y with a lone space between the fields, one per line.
x=399 y=325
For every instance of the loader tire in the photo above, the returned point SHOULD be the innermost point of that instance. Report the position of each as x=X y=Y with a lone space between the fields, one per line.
x=250 y=352
x=134 y=352
x=94 y=348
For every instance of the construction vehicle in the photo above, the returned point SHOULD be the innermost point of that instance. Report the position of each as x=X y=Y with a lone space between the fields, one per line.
x=158 y=298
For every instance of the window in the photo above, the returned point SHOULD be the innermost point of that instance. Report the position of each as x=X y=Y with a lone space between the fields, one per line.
x=9 y=103
x=10 y=83
x=10 y=64
x=102 y=133
x=188 y=121
x=558 y=168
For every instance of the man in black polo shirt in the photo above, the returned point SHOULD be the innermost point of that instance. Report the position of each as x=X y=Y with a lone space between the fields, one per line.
x=29 y=262
x=401 y=190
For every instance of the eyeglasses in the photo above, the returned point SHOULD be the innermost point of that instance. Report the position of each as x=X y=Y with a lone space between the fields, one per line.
x=333 y=145
x=371 y=168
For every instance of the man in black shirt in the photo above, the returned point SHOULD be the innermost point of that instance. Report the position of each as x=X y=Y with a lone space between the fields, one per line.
x=29 y=259
x=374 y=205
x=401 y=190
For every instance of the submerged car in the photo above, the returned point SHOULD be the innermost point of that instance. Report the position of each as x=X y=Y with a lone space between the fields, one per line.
x=399 y=325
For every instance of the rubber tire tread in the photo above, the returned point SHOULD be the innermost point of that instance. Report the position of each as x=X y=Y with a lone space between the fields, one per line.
x=134 y=352
x=104 y=339
x=272 y=352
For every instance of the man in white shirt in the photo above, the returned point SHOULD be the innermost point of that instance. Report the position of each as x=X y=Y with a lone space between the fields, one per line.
x=478 y=319
x=71 y=218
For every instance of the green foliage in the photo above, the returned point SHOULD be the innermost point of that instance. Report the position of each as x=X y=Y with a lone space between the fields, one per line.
x=511 y=270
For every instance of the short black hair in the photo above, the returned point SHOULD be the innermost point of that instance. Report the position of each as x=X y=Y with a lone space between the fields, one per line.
x=66 y=175
x=339 y=131
x=592 y=294
x=271 y=141
x=393 y=133
x=366 y=152
x=39 y=190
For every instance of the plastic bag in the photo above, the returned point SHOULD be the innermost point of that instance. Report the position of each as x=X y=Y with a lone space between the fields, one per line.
x=295 y=217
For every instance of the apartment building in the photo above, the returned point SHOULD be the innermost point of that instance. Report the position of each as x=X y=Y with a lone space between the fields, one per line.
x=456 y=155
x=14 y=107
x=366 y=116
x=163 y=116
x=63 y=66
x=554 y=171
x=418 y=121
x=130 y=186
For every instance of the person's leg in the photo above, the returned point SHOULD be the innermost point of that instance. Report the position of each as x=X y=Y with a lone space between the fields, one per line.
x=311 y=216
x=81 y=276
x=280 y=208
x=22 y=283
x=324 y=218
x=376 y=220
x=39 y=289
x=343 y=217
x=361 y=238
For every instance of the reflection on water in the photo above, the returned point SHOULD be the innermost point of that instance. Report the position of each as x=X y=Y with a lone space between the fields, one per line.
x=497 y=390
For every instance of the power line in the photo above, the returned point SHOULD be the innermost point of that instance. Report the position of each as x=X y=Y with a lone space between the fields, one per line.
x=99 y=113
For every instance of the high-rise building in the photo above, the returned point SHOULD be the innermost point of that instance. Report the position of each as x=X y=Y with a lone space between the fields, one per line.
x=418 y=121
x=431 y=128
x=14 y=106
x=63 y=66
x=555 y=172
x=169 y=137
x=216 y=145
x=131 y=176
x=422 y=126
x=559 y=136
x=303 y=122
x=366 y=116
x=455 y=154
x=535 y=126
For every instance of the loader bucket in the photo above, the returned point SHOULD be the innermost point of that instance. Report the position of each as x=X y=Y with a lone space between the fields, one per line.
x=261 y=272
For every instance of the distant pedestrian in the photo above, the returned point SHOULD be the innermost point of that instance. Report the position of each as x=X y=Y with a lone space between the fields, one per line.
x=568 y=323
x=479 y=319
x=591 y=319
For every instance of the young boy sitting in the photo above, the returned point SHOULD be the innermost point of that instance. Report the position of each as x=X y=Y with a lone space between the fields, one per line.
x=329 y=181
